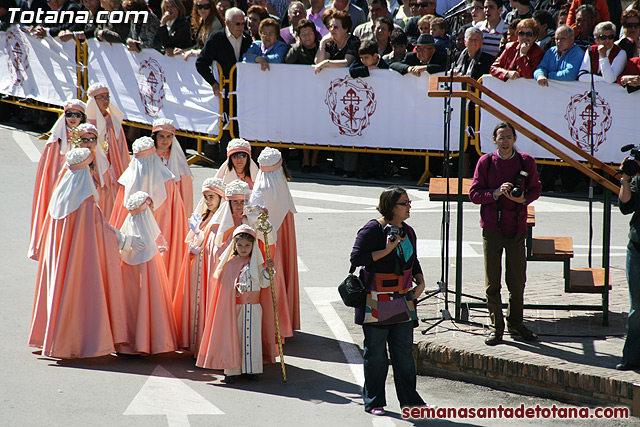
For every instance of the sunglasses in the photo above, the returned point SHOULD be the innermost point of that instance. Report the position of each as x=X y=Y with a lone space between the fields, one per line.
x=203 y=6
x=72 y=114
x=243 y=155
x=632 y=25
x=87 y=140
x=609 y=37
x=525 y=33
x=407 y=203
x=103 y=98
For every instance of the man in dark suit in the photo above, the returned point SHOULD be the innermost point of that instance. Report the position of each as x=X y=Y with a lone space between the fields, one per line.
x=225 y=46
x=473 y=61
x=60 y=6
x=424 y=59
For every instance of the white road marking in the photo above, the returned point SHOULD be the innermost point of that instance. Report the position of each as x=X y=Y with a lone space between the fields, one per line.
x=329 y=197
x=164 y=394
x=302 y=267
x=432 y=249
x=26 y=144
x=322 y=297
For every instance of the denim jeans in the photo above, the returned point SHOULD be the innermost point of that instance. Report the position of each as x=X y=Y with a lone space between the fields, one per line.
x=399 y=336
x=631 y=349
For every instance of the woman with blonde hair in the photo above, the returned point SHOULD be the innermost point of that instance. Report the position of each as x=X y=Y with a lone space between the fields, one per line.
x=205 y=20
x=174 y=31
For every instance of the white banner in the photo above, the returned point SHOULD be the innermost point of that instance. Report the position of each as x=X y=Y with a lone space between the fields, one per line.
x=565 y=108
x=290 y=103
x=43 y=70
x=149 y=85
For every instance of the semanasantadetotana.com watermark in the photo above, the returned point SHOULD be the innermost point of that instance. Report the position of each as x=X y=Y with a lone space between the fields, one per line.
x=49 y=17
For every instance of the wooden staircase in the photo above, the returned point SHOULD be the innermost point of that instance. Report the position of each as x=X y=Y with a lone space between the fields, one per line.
x=576 y=280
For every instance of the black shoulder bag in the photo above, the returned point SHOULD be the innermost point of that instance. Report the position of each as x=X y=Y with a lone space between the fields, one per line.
x=352 y=291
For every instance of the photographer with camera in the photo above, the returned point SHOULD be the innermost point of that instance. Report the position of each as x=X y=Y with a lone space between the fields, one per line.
x=504 y=183
x=386 y=248
x=629 y=202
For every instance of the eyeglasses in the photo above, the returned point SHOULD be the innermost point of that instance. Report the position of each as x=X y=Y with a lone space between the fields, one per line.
x=102 y=98
x=87 y=140
x=525 y=33
x=241 y=155
x=73 y=114
x=203 y=6
x=407 y=203
x=631 y=25
x=606 y=37
x=237 y=24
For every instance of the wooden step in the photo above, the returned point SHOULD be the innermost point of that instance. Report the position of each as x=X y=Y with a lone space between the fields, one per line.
x=531 y=216
x=552 y=248
x=588 y=280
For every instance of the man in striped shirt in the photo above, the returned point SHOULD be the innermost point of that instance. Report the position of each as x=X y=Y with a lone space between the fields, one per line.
x=493 y=27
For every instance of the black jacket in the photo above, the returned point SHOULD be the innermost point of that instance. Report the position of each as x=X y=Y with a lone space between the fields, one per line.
x=435 y=65
x=218 y=48
x=356 y=69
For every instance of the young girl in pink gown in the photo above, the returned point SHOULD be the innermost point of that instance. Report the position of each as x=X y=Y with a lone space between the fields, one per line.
x=232 y=337
x=150 y=318
x=78 y=309
x=190 y=300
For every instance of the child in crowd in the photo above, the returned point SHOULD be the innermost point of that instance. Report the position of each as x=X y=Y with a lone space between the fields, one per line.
x=439 y=32
x=399 y=42
x=368 y=59
x=232 y=337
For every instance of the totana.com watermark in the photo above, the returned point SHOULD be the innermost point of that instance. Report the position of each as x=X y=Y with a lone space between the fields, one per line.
x=51 y=17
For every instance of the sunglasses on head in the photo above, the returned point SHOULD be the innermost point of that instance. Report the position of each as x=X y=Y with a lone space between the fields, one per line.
x=87 y=140
x=73 y=114
x=203 y=6
x=525 y=33
x=606 y=37
x=632 y=25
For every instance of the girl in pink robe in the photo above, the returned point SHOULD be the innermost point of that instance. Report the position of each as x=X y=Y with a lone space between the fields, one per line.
x=190 y=300
x=232 y=337
x=147 y=173
x=78 y=308
x=107 y=118
x=63 y=135
x=149 y=313
x=170 y=152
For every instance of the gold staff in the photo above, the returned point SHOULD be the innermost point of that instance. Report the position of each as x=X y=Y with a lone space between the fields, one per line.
x=264 y=226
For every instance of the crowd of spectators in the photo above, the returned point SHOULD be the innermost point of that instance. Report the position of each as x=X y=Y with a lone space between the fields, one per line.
x=544 y=40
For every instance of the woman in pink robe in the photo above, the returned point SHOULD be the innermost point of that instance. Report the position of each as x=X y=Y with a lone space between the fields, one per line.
x=170 y=152
x=63 y=135
x=78 y=308
x=239 y=164
x=149 y=313
x=190 y=300
x=107 y=118
x=147 y=173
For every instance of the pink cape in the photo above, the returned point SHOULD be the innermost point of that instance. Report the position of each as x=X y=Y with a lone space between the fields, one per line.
x=220 y=347
x=118 y=154
x=287 y=251
x=78 y=308
x=149 y=315
x=49 y=167
x=173 y=224
x=185 y=189
x=192 y=293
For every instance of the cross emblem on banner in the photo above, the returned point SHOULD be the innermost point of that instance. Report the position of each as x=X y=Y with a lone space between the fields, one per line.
x=351 y=101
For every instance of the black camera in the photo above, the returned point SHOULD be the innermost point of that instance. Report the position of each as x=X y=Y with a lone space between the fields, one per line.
x=516 y=191
x=393 y=231
x=630 y=165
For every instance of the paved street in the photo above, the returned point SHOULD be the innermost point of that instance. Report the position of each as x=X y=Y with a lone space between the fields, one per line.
x=323 y=359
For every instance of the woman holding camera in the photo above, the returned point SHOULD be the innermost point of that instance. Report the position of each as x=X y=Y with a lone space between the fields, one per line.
x=386 y=248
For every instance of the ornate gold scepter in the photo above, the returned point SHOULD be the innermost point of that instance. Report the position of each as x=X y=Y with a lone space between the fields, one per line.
x=264 y=226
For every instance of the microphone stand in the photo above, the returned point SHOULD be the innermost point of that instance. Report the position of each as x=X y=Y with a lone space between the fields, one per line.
x=446 y=209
